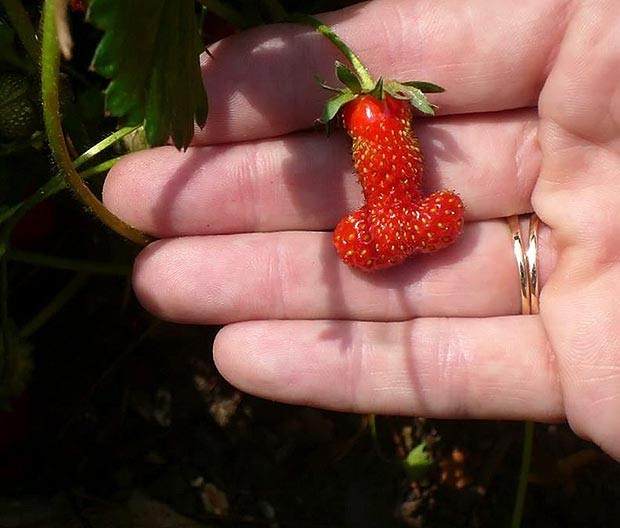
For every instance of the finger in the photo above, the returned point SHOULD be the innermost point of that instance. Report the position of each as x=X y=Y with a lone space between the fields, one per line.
x=579 y=195
x=295 y=275
x=457 y=368
x=304 y=181
x=261 y=82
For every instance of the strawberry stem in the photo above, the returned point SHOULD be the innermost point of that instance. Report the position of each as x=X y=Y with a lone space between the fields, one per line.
x=365 y=78
x=50 y=60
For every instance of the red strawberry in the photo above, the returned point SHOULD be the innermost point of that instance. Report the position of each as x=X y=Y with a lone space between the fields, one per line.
x=385 y=151
x=381 y=235
x=397 y=220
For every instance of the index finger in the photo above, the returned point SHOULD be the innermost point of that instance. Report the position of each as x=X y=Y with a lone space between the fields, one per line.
x=488 y=56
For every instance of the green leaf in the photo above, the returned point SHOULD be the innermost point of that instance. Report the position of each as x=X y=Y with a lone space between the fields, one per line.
x=425 y=87
x=334 y=105
x=418 y=462
x=411 y=94
x=348 y=78
x=150 y=50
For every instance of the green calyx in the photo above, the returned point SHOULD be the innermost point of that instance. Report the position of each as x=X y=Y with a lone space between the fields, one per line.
x=358 y=81
x=354 y=86
x=414 y=92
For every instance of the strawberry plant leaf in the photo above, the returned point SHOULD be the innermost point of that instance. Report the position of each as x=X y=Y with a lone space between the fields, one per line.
x=424 y=86
x=348 y=78
x=150 y=51
x=335 y=104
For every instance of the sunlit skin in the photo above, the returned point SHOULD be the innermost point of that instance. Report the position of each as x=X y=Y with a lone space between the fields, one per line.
x=530 y=121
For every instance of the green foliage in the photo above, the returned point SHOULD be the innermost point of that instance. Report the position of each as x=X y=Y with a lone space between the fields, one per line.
x=414 y=95
x=425 y=86
x=348 y=78
x=334 y=105
x=418 y=462
x=150 y=51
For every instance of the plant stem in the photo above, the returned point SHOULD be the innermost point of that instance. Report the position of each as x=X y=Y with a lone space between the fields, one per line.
x=54 y=306
x=23 y=27
x=364 y=76
x=101 y=167
x=87 y=266
x=372 y=426
x=526 y=459
x=103 y=144
x=50 y=59
x=371 y=420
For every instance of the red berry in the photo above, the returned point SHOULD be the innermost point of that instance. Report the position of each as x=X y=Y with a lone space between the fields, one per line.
x=397 y=220
x=386 y=154
x=378 y=236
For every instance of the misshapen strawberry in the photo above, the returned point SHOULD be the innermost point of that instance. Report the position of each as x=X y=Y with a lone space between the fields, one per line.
x=396 y=221
x=381 y=235
x=386 y=154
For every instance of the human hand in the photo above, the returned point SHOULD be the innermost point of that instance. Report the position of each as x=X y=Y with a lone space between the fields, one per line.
x=530 y=121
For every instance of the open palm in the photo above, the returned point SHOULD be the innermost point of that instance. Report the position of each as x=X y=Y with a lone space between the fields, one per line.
x=530 y=122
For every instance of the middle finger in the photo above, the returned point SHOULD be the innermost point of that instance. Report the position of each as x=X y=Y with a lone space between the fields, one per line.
x=304 y=181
